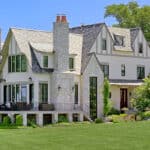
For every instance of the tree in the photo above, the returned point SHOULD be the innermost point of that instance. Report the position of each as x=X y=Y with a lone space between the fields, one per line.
x=130 y=15
x=106 y=101
x=141 y=96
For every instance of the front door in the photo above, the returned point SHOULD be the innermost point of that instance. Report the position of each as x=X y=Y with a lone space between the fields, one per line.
x=123 y=98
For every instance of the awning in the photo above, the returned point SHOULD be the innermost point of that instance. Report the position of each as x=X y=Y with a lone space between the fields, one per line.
x=125 y=82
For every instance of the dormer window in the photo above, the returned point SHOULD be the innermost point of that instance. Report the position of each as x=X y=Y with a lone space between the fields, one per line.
x=104 y=44
x=140 y=48
x=45 y=61
x=119 y=40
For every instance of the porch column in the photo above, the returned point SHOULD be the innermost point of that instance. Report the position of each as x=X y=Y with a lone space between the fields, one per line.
x=70 y=117
x=24 y=119
x=36 y=95
x=55 y=118
x=39 y=119
x=81 y=117
x=11 y=118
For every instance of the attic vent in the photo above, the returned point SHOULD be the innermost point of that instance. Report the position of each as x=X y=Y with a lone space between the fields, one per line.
x=119 y=40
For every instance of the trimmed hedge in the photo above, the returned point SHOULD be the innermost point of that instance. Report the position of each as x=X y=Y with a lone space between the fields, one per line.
x=19 y=120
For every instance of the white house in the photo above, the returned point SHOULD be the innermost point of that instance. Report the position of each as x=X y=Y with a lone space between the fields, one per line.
x=62 y=72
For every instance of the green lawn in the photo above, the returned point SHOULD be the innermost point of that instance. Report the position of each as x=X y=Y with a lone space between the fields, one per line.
x=119 y=136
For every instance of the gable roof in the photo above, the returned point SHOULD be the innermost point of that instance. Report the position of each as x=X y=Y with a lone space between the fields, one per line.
x=90 y=33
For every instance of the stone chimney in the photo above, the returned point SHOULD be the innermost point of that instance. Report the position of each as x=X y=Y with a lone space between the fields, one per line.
x=61 y=43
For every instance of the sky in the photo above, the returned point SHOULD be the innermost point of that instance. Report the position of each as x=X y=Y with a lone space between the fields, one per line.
x=40 y=14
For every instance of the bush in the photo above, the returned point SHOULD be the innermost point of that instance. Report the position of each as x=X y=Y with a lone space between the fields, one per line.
x=6 y=121
x=19 y=120
x=32 y=123
x=98 y=120
x=114 y=111
x=62 y=118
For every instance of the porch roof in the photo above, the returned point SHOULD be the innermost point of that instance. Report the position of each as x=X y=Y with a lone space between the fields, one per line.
x=125 y=82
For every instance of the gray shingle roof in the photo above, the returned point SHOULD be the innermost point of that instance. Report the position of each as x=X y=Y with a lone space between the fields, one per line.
x=90 y=33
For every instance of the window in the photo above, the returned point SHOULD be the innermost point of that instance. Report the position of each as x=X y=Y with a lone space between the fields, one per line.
x=17 y=63
x=140 y=72
x=123 y=70
x=71 y=63
x=105 y=69
x=17 y=93
x=140 y=48
x=23 y=63
x=119 y=40
x=45 y=61
x=93 y=97
x=23 y=93
x=76 y=94
x=104 y=44
x=13 y=63
x=43 y=92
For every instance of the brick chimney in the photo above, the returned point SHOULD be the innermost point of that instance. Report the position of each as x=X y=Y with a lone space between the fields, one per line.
x=61 y=43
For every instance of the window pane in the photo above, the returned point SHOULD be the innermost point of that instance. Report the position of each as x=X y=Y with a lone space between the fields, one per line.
x=18 y=63
x=76 y=94
x=123 y=70
x=9 y=64
x=24 y=93
x=105 y=69
x=23 y=63
x=17 y=92
x=9 y=92
x=43 y=93
x=13 y=63
x=45 y=61
x=13 y=93
x=71 y=63
x=104 y=44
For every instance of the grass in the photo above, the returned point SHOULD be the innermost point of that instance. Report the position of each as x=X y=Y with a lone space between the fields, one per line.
x=119 y=136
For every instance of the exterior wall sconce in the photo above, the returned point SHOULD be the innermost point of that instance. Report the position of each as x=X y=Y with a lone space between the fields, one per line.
x=73 y=88
x=30 y=79
x=59 y=88
x=130 y=94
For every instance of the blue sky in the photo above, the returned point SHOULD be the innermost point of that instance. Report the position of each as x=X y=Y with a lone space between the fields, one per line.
x=39 y=14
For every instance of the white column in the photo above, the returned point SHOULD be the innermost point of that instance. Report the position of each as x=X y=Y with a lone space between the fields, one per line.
x=36 y=95
x=39 y=119
x=24 y=119
x=11 y=118
x=81 y=117
x=55 y=118
x=70 y=117
x=1 y=97
x=28 y=94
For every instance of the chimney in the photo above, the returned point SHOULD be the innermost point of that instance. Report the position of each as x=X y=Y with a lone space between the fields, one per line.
x=61 y=43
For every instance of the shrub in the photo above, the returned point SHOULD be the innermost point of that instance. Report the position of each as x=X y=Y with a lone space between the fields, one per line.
x=106 y=100
x=114 y=111
x=6 y=121
x=98 y=120
x=32 y=123
x=145 y=115
x=19 y=120
x=118 y=118
x=62 y=118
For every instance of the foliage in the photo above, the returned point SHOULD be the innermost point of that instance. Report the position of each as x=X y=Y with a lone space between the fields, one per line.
x=106 y=101
x=113 y=111
x=32 y=123
x=141 y=96
x=62 y=118
x=19 y=120
x=98 y=120
x=6 y=121
x=130 y=15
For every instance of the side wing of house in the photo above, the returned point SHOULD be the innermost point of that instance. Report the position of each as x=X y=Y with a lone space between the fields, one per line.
x=92 y=81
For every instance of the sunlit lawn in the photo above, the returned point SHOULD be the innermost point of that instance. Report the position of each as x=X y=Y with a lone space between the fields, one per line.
x=119 y=136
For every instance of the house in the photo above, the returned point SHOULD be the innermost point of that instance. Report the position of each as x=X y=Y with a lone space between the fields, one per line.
x=62 y=72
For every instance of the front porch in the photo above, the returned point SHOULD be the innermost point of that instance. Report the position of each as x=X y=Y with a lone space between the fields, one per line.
x=121 y=92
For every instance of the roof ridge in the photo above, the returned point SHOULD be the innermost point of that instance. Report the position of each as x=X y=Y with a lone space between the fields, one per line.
x=25 y=29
